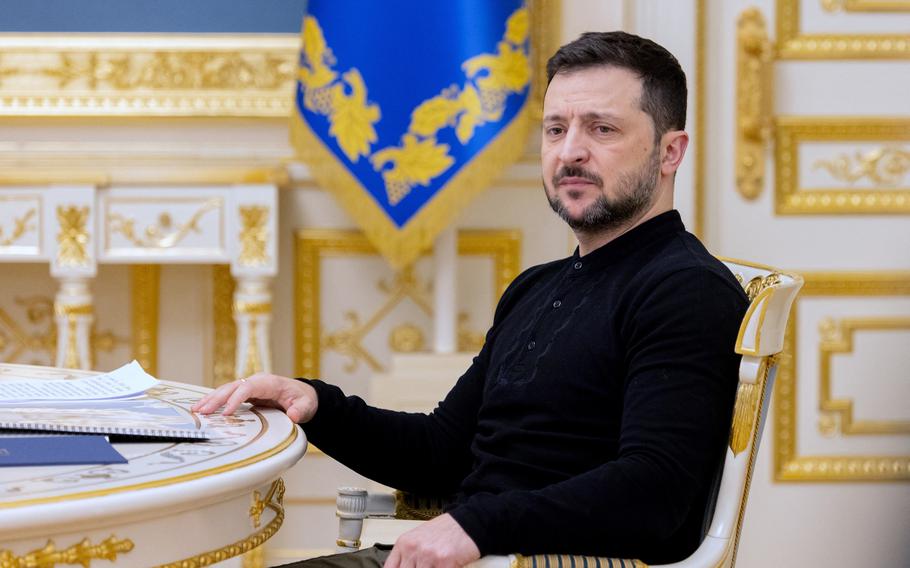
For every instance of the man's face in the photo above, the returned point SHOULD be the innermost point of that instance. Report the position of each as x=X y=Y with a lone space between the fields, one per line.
x=600 y=163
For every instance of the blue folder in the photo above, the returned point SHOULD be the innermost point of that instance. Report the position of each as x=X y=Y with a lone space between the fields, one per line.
x=57 y=450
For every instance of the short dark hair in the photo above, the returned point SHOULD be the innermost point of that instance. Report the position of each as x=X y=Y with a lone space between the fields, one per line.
x=663 y=82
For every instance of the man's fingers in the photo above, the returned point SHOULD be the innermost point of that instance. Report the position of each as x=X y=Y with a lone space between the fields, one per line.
x=213 y=400
x=394 y=559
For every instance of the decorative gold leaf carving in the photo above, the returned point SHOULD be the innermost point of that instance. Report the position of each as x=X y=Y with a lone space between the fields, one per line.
x=21 y=226
x=162 y=234
x=82 y=553
x=254 y=235
x=883 y=166
x=73 y=237
x=406 y=338
x=753 y=102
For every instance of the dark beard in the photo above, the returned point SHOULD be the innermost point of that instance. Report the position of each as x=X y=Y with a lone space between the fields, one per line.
x=634 y=192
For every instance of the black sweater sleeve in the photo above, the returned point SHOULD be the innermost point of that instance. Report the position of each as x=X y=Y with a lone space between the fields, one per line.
x=681 y=379
x=421 y=453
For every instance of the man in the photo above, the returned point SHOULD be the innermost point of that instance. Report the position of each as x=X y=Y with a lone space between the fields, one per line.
x=594 y=418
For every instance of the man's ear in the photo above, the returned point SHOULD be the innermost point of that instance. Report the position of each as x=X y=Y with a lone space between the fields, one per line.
x=673 y=148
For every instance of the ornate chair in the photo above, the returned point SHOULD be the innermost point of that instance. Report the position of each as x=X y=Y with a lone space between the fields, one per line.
x=369 y=518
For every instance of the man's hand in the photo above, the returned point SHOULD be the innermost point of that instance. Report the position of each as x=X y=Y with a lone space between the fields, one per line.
x=296 y=398
x=439 y=543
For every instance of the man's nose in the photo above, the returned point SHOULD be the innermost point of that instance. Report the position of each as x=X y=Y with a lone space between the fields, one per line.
x=574 y=148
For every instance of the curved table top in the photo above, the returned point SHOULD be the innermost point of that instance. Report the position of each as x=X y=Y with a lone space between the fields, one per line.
x=245 y=451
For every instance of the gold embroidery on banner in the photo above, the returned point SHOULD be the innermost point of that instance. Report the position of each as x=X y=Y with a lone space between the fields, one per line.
x=791 y=132
x=883 y=166
x=82 y=553
x=254 y=235
x=352 y=119
x=793 y=44
x=788 y=464
x=754 y=95
x=73 y=237
x=490 y=81
x=837 y=338
x=242 y=546
x=164 y=233
x=21 y=226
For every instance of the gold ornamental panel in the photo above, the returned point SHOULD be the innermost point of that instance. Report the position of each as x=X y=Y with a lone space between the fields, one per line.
x=147 y=75
x=314 y=245
x=793 y=43
x=838 y=339
x=789 y=465
x=883 y=169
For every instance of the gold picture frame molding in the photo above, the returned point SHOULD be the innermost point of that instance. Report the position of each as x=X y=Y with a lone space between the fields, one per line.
x=788 y=464
x=793 y=44
x=791 y=131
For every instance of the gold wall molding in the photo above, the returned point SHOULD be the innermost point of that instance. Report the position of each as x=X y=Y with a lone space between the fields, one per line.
x=147 y=75
x=866 y=5
x=254 y=235
x=789 y=465
x=312 y=245
x=21 y=226
x=837 y=338
x=793 y=44
x=882 y=166
x=790 y=199
x=73 y=237
x=225 y=344
x=165 y=232
x=754 y=101
x=81 y=553
x=145 y=280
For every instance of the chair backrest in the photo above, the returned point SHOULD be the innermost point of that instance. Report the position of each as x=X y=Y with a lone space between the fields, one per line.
x=760 y=340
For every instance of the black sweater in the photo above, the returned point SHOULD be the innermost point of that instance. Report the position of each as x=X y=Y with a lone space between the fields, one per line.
x=594 y=417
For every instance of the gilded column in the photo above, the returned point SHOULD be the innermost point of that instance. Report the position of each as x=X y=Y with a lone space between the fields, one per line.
x=253 y=266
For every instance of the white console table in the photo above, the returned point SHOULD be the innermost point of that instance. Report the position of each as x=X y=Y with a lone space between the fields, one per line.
x=173 y=504
x=74 y=228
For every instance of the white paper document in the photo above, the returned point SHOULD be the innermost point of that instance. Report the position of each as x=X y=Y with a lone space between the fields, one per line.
x=129 y=380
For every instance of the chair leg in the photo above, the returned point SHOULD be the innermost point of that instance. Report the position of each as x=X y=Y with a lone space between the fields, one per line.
x=351 y=509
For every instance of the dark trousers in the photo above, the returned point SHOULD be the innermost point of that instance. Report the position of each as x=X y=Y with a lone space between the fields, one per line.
x=372 y=557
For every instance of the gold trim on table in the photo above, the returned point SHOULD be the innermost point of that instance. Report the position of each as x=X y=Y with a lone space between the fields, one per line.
x=81 y=553
x=73 y=237
x=248 y=544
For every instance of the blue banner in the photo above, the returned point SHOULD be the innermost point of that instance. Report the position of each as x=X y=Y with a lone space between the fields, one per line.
x=407 y=109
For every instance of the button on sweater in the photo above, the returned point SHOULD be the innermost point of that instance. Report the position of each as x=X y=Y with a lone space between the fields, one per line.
x=595 y=416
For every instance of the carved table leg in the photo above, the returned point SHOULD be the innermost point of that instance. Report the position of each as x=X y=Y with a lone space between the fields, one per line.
x=74 y=316
x=253 y=315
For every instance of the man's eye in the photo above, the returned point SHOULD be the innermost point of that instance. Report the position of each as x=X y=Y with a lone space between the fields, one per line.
x=604 y=129
x=554 y=131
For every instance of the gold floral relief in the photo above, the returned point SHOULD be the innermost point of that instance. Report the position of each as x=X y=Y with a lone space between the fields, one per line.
x=165 y=232
x=73 y=237
x=254 y=235
x=148 y=75
x=754 y=94
x=21 y=226
x=885 y=166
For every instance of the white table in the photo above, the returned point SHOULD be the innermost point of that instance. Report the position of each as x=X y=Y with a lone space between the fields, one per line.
x=173 y=504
